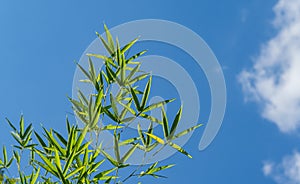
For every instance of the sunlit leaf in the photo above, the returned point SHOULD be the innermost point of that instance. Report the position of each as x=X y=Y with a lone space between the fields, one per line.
x=165 y=123
x=187 y=131
x=128 y=153
x=159 y=140
x=146 y=93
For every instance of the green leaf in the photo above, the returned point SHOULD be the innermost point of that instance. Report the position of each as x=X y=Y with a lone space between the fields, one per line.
x=22 y=125
x=35 y=176
x=116 y=147
x=81 y=137
x=75 y=171
x=111 y=127
x=17 y=157
x=140 y=132
x=157 y=105
x=133 y=72
x=151 y=118
x=128 y=153
x=60 y=137
x=92 y=70
x=104 y=58
x=85 y=72
x=150 y=131
x=114 y=106
x=109 y=38
x=69 y=162
x=136 y=56
x=109 y=114
x=101 y=175
x=175 y=122
x=5 y=160
x=127 y=107
x=107 y=47
x=153 y=169
x=178 y=148
x=57 y=160
x=187 y=131
x=129 y=45
x=128 y=119
x=94 y=167
x=146 y=93
x=27 y=132
x=48 y=166
x=128 y=141
x=159 y=140
x=110 y=159
x=11 y=125
x=53 y=141
x=138 y=78
x=165 y=123
x=135 y=99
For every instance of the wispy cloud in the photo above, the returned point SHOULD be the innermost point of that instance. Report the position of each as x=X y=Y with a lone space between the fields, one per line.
x=286 y=172
x=274 y=80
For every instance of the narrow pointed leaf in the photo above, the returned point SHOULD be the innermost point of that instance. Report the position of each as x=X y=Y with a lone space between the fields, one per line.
x=146 y=93
x=157 y=105
x=175 y=122
x=159 y=140
x=187 y=131
x=178 y=148
x=128 y=153
x=165 y=123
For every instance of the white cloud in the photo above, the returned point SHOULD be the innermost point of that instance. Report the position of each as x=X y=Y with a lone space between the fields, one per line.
x=274 y=80
x=286 y=172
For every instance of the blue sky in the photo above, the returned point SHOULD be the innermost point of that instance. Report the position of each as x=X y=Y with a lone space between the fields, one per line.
x=255 y=43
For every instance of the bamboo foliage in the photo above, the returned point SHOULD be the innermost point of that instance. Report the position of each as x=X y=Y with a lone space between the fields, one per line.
x=55 y=158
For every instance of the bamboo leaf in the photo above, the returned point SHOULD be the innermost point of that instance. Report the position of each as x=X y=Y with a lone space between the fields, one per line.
x=138 y=78
x=11 y=125
x=72 y=173
x=128 y=153
x=85 y=72
x=157 y=105
x=128 y=141
x=109 y=38
x=101 y=175
x=187 y=131
x=127 y=107
x=35 y=177
x=150 y=131
x=151 y=118
x=5 y=160
x=140 y=132
x=27 y=132
x=60 y=137
x=107 y=47
x=48 y=164
x=165 y=123
x=114 y=106
x=135 y=56
x=135 y=99
x=69 y=162
x=129 y=45
x=116 y=148
x=178 y=148
x=133 y=72
x=146 y=93
x=159 y=140
x=110 y=159
x=175 y=122
x=22 y=126
x=57 y=160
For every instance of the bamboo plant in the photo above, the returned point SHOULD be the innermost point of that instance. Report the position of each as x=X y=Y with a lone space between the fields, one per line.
x=55 y=158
